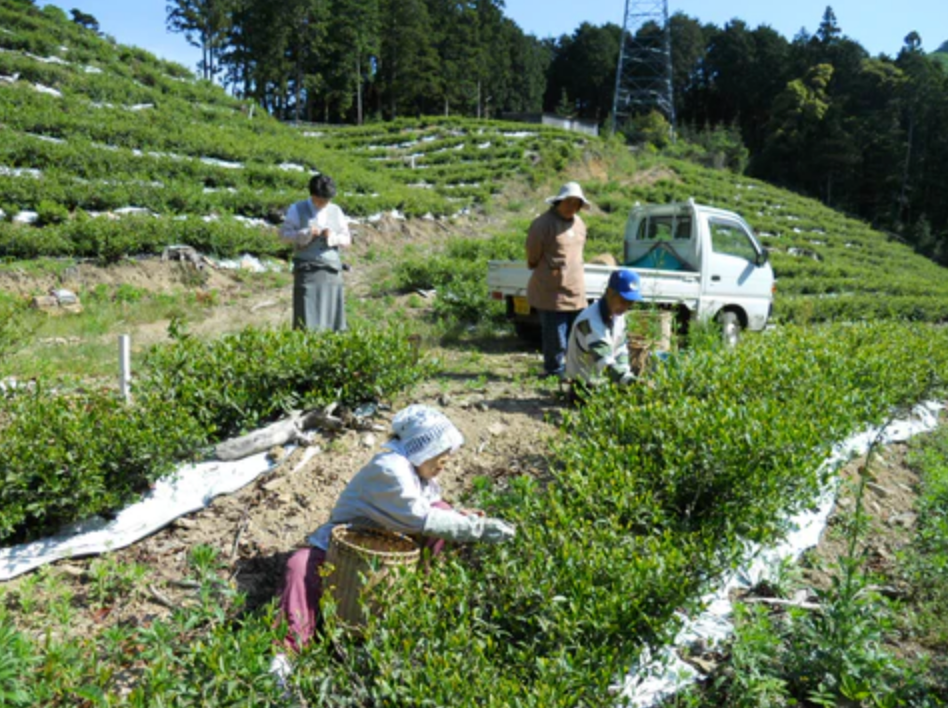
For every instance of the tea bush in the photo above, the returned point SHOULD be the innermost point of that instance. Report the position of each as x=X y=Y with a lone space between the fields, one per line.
x=458 y=274
x=93 y=152
x=653 y=491
x=109 y=241
x=233 y=384
x=64 y=458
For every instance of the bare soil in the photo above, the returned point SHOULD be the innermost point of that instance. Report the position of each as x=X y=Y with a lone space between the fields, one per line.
x=888 y=503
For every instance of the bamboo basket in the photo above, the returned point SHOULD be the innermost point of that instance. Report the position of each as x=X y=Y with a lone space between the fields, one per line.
x=648 y=331
x=639 y=350
x=361 y=558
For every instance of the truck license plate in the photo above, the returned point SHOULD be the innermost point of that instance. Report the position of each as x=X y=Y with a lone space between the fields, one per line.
x=521 y=306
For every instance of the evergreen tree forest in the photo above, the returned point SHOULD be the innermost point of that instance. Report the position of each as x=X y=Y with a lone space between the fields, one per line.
x=816 y=114
x=347 y=61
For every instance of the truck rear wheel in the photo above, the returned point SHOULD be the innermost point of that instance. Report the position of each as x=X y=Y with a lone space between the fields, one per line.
x=730 y=328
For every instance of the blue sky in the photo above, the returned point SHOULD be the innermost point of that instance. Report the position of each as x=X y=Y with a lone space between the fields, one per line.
x=879 y=27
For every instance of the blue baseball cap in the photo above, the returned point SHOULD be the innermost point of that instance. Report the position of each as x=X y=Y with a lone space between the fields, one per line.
x=626 y=283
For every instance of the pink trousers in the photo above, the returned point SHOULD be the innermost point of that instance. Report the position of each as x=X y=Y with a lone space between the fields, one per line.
x=303 y=586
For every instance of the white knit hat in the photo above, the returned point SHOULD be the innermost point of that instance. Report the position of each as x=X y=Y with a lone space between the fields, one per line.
x=425 y=433
x=570 y=189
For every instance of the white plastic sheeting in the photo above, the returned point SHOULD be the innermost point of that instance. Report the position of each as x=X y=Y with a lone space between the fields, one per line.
x=20 y=172
x=655 y=678
x=250 y=221
x=26 y=217
x=393 y=214
x=47 y=90
x=222 y=163
x=250 y=263
x=46 y=138
x=188 y=489
x=46 y=60
x=134 y=211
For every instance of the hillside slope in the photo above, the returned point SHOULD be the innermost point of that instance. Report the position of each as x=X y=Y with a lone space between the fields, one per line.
x=624 y=508
x=92 y=127
x=92 y=131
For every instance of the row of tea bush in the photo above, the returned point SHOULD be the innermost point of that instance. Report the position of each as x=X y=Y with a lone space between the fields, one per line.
x=653 y=491
x=65 y=456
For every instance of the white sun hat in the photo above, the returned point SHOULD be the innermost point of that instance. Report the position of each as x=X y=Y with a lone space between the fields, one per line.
x=570 y=189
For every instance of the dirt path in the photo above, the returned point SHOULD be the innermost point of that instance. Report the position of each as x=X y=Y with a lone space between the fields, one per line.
x=506 y=417
x=507 y=422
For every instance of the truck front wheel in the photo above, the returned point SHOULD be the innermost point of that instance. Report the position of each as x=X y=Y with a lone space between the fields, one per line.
x=730 y=328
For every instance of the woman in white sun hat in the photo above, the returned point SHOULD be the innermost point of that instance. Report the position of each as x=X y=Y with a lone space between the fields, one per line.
x=557 y=288
x=396 y=490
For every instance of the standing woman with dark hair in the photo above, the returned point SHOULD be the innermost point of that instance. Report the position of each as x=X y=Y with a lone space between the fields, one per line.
x=317 y=229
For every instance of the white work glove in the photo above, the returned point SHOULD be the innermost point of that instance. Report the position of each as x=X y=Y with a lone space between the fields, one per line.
x=496 y=531
x=453 y=526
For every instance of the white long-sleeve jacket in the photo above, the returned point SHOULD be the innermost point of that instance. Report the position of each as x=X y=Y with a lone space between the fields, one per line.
x=386 y=493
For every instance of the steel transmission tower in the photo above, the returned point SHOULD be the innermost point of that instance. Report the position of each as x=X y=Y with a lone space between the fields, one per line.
x=644 y=74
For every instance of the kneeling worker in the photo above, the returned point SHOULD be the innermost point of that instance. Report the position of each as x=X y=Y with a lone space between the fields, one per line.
x=598 y=349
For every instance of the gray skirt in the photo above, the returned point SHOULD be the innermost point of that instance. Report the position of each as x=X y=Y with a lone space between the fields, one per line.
x=318 y=299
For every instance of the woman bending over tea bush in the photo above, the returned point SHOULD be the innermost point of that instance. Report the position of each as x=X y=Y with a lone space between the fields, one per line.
x=397 y=490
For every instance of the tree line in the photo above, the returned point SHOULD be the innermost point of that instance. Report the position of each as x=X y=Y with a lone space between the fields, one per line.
x=817 y=113
x=349 y=60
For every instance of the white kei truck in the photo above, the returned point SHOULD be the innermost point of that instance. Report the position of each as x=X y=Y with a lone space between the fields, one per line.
x=699 y=262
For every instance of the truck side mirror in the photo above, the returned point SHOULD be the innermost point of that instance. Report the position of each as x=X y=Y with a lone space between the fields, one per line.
x=762 y=257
